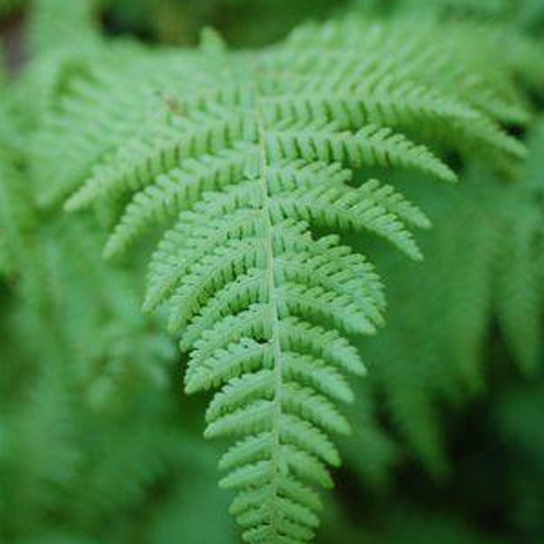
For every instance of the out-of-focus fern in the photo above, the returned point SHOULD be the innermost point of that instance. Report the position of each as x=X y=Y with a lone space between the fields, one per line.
x=63 y=40
x=482 y=279
x=55 y=24
x=526 y=14
x=83 y=376
x=86 y=413
x=498 y=271
x=483 y=8
x=16 y=215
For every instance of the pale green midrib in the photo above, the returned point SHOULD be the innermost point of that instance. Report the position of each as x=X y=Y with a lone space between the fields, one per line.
x=275 y=328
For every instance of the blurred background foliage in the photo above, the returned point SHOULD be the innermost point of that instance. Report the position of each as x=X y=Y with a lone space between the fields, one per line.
x=97 y=444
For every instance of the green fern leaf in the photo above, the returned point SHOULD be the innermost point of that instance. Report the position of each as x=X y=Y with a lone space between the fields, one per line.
x=280 y=149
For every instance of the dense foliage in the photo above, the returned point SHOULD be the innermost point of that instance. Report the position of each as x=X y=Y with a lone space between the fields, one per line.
x=239 y=184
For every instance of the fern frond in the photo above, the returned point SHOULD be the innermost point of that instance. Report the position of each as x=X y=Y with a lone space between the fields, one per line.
x=55 y=24
x=457 y=65
x=255 y=176
x=518 y=287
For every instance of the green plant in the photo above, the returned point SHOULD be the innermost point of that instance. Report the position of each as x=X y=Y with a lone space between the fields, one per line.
x=277 y=150
x=258 y=172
